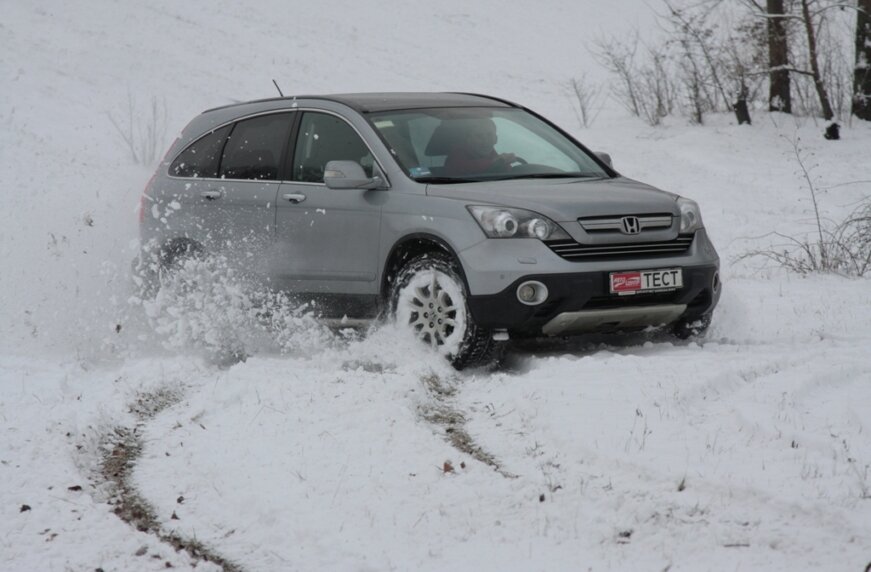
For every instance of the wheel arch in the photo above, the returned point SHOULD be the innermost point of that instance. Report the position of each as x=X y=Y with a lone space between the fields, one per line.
x=409 y=247
x=178 y=247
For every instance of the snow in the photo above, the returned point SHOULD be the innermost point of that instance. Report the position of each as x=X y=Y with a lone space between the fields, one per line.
x=326 y=450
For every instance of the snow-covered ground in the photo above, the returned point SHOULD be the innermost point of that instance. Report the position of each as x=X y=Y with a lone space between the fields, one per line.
x=332 y=451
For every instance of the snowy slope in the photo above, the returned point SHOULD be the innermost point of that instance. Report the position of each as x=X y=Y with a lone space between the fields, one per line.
x=328 y=451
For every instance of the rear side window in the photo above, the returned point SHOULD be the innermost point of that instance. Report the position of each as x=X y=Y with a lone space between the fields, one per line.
x=201 y=159
x=324 y=138
x=255 y=147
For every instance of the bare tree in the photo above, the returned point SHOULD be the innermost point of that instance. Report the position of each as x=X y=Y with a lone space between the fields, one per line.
x=745 y=51
x=645 y=89
x=701 y=48
x=715 y=59
x=836 y=63
x=806 y=49
x=779 y=96
x=586 y=95
x=698 y=34
x=862 y=72
x=143 y=132
x=619 y=58
x=691 y=74
x=655 y=87
x=822 y=93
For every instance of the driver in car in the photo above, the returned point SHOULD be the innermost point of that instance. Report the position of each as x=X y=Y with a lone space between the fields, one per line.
x=474 y=151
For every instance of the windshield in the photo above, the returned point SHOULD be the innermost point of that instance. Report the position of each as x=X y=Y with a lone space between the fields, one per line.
x=468 y=144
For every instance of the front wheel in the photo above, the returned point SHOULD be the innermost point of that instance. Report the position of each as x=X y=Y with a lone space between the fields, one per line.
x=685 y=329
x=429 y=298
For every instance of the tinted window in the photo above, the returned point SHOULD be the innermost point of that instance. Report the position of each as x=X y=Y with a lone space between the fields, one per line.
x=255 y=147
x=202 y=157
x=324 y=138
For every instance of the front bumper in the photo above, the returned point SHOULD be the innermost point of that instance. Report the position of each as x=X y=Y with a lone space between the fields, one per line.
x=581 y=302
x=579 y=298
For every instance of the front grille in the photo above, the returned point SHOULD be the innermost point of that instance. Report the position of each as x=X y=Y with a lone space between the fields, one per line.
x=615 y=223
x=571 y=250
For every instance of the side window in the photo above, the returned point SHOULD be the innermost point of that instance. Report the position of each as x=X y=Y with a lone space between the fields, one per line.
x=255 y=147
x=201 y=158
x=324 y=138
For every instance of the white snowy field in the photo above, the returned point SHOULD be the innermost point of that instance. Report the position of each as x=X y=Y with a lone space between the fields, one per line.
x=327 y=451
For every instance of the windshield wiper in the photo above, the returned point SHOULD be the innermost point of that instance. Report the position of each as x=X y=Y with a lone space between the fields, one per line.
x=446 y=180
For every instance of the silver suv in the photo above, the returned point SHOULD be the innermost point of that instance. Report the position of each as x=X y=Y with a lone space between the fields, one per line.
x=469 y=218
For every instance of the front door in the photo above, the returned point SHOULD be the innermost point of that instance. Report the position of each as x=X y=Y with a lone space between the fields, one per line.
x=327 y=238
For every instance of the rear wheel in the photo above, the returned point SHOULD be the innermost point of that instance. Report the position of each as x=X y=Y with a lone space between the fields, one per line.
x=429 y=298
x=155 y=269
x=174 y=256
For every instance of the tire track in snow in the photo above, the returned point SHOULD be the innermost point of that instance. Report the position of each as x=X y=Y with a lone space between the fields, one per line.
x=444 y=413
x=122 y=450
x=523 y=437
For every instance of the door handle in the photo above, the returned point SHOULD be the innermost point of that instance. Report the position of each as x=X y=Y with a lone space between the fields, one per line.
x=212 y=195
x=294 y=198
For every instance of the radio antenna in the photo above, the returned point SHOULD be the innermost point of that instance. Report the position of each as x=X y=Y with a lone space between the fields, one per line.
x=275 y=83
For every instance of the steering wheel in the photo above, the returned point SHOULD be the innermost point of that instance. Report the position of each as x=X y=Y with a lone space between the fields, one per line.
x=501 y=164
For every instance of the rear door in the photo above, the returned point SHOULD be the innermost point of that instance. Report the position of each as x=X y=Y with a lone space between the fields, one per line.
x=328 y=239
x=237 y=208
x=180 y=203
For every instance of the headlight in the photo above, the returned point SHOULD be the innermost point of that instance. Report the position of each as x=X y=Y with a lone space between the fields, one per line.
x=690 y=215
x=502 y=222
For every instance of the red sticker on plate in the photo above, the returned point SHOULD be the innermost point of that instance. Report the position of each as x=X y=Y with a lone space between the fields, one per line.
x=625 y=281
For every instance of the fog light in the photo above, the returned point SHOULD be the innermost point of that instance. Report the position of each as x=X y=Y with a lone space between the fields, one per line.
x=532 y=293
x=715 y=283
x=526 y=293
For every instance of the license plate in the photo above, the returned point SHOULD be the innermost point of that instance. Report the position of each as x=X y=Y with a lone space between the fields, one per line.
x=624 y=283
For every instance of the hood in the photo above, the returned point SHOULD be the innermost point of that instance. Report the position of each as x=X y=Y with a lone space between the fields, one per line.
x=565 y=200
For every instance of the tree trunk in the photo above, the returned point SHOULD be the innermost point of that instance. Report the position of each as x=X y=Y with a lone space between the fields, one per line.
x=815 y=66
x=862 y=72
x=742 y=111
x=779 y=97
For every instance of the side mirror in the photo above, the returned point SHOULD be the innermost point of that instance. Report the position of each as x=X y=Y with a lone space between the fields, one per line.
x=605 y=157
x=349 y=175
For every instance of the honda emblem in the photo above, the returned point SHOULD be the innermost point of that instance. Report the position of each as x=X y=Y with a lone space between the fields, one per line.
x=631 y=225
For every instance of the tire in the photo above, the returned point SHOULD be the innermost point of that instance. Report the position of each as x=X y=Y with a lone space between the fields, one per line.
x=692 y=328
x=174 y=256
x=155 y=269
x=429 y=297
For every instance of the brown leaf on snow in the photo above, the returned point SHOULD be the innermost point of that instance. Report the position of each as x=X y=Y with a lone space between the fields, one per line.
x=447 y=467
x=24 y=508
x=174 y=516
x=74 y=488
